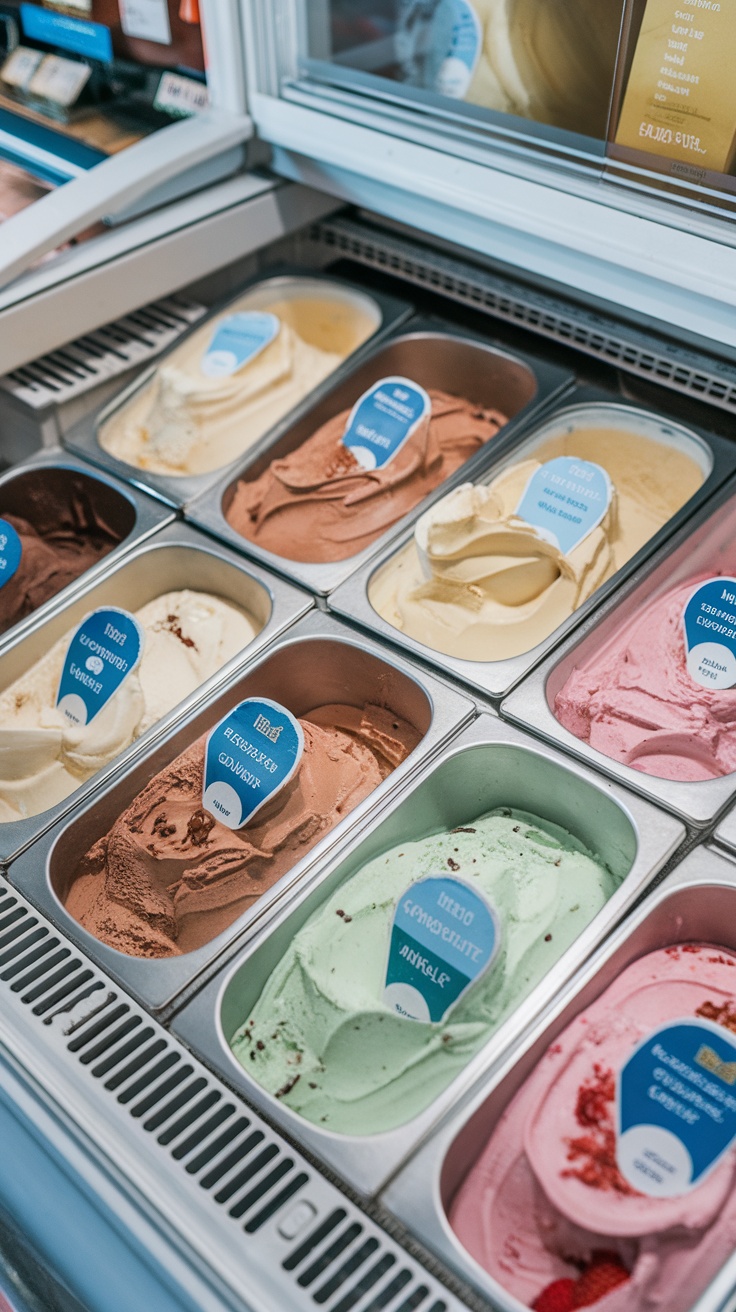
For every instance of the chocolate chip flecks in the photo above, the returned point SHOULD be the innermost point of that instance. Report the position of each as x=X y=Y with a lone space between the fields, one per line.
x=200 y=825
x=454 y=865
x=287 y=1088
x=174 y=626
x=462 y=829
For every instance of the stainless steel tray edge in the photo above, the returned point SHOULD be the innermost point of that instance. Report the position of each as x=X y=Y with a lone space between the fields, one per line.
x=367 y=1163
x=414 y=1194
x=158 y=983
x=495 y=679
x=206 y=510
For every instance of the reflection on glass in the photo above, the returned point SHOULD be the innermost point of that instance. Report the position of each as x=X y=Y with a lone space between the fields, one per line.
x=549 y=61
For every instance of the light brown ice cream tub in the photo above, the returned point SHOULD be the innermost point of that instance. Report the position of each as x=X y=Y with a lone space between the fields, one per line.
x=432 y=354
x=380 y=314
x=176 y=558
x=696 y=902
x=317 y=663
x=715 y=458
x=698 y=548
x=488 y=765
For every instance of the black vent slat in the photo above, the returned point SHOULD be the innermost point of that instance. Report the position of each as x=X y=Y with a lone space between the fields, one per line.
x=11 y=917
x=113 y=1059
x=391 y=1291
x=135 y=1066
x=80 y=977
x=212 y=1149
x=439 y=1306
x=50 y=981
x=261 y=1189
x=29 y=959
x=104 y=1045
x=415 y=1300
x=366 y=1283
x=147 y=1077
x=255 y=1165
x=308 y=1245
x=330 y=1254
x=162 y=1090
x=276 y=1203
x=348 y=1269
x=21 y=943
x=232 y=1159
x=176 y=1104
x=190 y=1116
x=86 y=1036
x=183 y=1150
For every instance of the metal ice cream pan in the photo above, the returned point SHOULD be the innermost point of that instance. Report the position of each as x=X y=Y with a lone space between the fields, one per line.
x=695 y=903
x=434 y=355
x=127 y=511
x=383 y=313
x=488 y=765
x=715 y=457
x=704 y=546
x=319 y=662
x=725 y=834
x=177 y=558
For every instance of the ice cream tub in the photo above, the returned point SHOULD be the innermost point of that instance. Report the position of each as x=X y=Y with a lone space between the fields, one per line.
x=318 y=669
x=695 y=904
x=305 y=490
x=232 y=381
x=483 y=569
x=619 y=692
x=535 y=797
x=176 y=569
x=69 y=524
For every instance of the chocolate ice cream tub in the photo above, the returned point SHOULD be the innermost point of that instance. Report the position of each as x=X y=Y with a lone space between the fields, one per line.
x=703 y=548
x=432 y=355
x=696 y=902
x=54 y=494
x=490 y=764
x=177 y=558
x=317 y=663
x=361 y=316
x=589 y=410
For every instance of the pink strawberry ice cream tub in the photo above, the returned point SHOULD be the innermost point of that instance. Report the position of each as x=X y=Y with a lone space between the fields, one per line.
x=599 y=1170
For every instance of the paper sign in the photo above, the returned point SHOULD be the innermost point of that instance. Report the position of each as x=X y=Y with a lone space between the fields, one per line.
x=457 y=68
x=20 y=66
x=236 y=341
x=11 y=551
x=709 y=622
x=443 y=937
x=680 y=101
x=103 y=653
x=676 y=1107
x=383 y=420
x=565 y=500
x=181 y=95
x=249 y=757
x=60 y=80
x=146 y=19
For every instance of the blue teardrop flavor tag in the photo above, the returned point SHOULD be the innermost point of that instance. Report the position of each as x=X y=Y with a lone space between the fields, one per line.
x=104 y=651
x=383 y=420
x=249 y=757
x=709 y=621
x=11 y=551
x=458 y=67
x=565 y=500
x=444 y=936
x=676 y=1107
x=237 y=341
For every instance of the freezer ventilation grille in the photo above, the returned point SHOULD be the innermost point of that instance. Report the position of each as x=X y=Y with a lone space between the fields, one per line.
x=635 y=352
x=69 y=372
x=323 y=1251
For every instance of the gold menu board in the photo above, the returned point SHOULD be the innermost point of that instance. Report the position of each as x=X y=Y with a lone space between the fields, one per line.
x=680 y=101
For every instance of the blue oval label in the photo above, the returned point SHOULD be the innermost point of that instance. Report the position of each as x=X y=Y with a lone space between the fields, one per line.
x=11 y=551
x=383 y=419
x=709 y=622
x=237 y=341
x=249 y=757
x=565 y=500
x=676 y=1107
x=102 y=654
x=459 y=64
x=444 y=936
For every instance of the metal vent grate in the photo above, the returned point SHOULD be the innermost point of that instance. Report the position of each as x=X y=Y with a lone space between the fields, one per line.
x=72 y=370
x=211 y=1149
x=634 y=351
